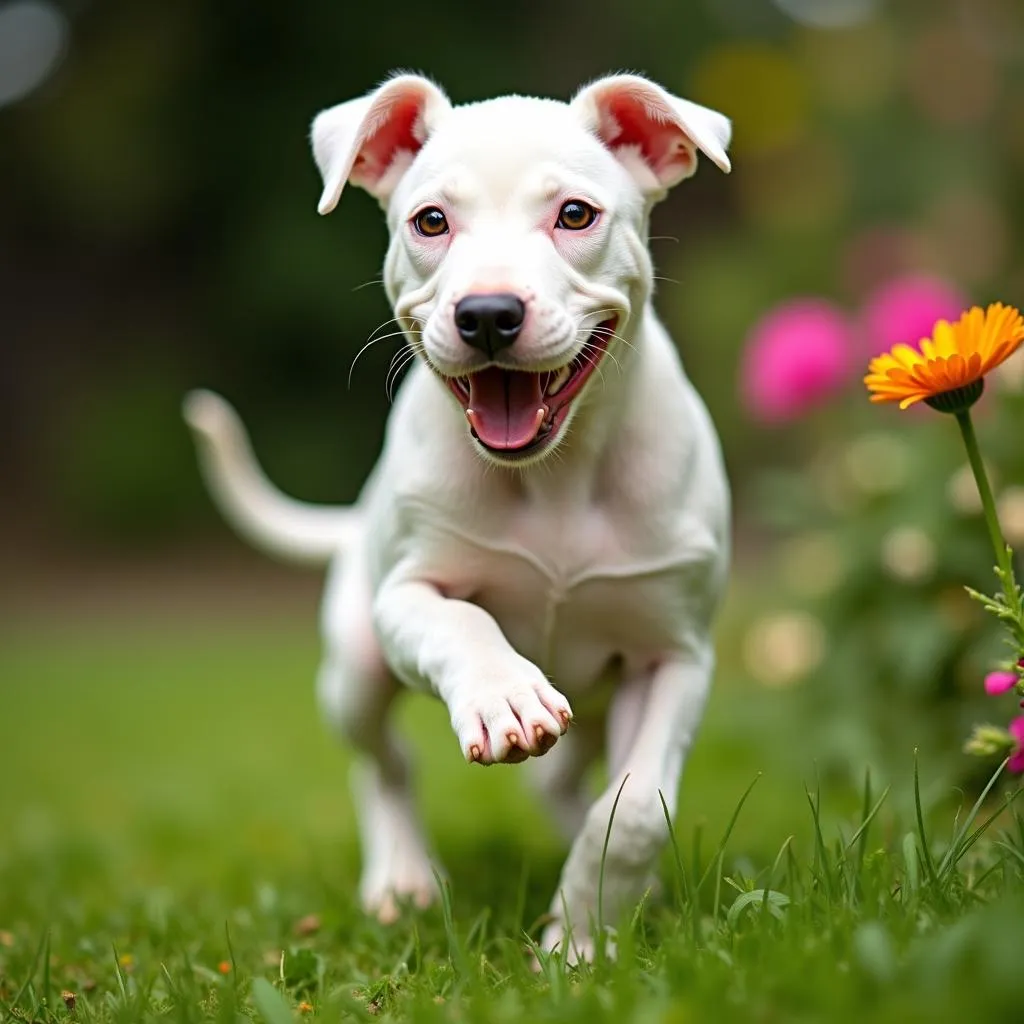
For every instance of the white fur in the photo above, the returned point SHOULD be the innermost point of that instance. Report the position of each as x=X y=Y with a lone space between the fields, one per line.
x=595 y=566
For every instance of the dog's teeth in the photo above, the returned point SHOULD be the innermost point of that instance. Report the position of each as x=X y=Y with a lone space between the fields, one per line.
x=559 y=380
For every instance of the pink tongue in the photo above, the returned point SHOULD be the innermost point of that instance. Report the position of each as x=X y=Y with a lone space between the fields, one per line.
x=506 y=408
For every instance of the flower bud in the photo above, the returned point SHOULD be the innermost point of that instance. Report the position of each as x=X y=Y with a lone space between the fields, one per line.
x=988 y=740
x=999 y=682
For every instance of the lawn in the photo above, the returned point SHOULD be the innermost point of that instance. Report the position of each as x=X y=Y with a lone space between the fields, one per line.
x=176 y=843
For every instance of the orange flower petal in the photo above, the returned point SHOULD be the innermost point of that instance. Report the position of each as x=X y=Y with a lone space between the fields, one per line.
x=956 y=355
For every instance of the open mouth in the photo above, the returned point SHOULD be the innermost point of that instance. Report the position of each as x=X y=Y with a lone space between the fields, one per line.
x=515 y=412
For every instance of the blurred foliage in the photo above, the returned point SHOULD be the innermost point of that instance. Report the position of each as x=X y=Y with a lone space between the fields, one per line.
x=873 y=542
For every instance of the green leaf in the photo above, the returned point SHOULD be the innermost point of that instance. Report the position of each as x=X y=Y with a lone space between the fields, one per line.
x=769 y=899
x=301 y=969
x=272 y=1007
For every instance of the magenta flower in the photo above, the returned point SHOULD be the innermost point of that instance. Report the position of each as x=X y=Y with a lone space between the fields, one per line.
x=999 y=682
x=906 y=308
x=1016 y=762
x=797 y=356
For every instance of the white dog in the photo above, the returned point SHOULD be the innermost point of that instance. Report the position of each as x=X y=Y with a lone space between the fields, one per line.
x=548 y=522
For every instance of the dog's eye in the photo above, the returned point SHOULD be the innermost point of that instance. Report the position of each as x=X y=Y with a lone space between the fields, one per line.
x=431 y=222
x=576 y=215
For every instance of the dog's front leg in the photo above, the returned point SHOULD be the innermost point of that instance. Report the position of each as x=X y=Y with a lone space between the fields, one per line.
x=502 y=706
x=649 y=740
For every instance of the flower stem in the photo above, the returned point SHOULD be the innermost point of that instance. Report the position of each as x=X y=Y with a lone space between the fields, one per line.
x=988 y=502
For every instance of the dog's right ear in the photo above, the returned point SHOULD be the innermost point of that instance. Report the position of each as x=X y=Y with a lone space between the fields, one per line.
x=371 y=141
x=655 y=134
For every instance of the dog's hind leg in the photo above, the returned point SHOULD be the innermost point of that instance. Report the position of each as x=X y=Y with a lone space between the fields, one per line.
x=356 y=691
x=610 y=860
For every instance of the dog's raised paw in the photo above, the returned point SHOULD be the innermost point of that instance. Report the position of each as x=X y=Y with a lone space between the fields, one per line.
x=499 y=727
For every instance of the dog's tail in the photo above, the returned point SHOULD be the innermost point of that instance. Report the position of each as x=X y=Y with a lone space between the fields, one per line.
x=267 y=518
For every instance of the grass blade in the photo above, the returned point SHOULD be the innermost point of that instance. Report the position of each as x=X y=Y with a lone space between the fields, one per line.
x=820 y=866
x=121 y=986
x=862 y=832
x=962 y=845
x=44 y=943
x=682 y=883
x=604 y=855
x=778 y=860
x=911 y=863
x=46 y=972
x=956 y=850
x=456 y=954
x=717 y=859
x=923 y=835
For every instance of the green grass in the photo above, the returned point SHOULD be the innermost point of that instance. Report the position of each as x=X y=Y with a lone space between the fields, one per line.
x=171 y=811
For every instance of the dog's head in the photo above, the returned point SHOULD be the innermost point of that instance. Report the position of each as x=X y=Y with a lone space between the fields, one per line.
x=518 y=251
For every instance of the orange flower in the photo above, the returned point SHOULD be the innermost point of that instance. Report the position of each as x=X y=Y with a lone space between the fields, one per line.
x=953 y=360
x=224 y=967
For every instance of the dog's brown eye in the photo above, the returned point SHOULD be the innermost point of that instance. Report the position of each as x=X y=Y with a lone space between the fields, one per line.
x=576 y=215
x=431 y=222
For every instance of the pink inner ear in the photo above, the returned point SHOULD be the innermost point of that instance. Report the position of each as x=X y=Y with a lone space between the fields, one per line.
x=391 y=128
x=632 y=120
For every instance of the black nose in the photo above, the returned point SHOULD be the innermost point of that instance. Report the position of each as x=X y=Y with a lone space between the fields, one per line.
x=490 y=322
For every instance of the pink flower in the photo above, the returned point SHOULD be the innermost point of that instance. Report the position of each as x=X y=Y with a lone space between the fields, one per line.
x=796 y=357
x=1016 y=762
x=999 y=682
x=905 y=310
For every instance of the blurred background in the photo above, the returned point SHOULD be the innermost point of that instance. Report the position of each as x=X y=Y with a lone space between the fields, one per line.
x=158 y=231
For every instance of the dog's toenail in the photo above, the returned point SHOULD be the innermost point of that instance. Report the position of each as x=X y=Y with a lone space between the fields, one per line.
x=474 y=753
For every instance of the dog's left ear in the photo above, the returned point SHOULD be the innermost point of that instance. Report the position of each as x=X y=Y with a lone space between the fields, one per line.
x=654 y=134
x=371 y=141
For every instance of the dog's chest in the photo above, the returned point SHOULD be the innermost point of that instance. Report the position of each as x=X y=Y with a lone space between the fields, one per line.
x=576 y=594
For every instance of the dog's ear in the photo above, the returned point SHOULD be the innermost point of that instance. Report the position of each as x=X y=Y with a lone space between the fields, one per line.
x=371 y=141
x=654 y=134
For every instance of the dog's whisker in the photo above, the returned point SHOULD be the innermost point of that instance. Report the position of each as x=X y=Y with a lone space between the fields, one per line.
x=384 y=324
x=369 y=344
x=352 y=365
x=597 y=350
x=599 y=312
x=391 y=334
x=399 y=355
x=604 y=331
x=618 y=337
x=367 y=284
x=595 y=355
x=402 y=360
x=403 y=328
x=593 y=362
